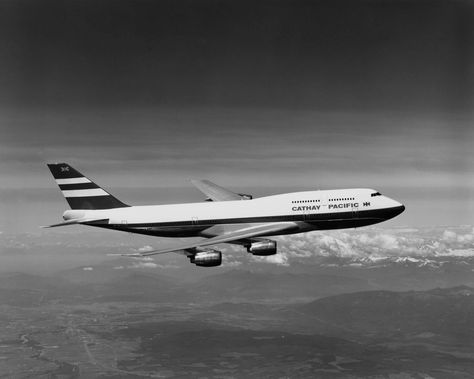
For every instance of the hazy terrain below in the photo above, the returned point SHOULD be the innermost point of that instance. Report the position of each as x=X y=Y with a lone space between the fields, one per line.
x=371 y=303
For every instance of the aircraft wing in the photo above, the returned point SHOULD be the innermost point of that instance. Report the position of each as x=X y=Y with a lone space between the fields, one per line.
x=247 y=232
x=218 y=193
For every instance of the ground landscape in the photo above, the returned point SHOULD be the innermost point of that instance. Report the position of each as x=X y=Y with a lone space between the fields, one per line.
x=370 y=303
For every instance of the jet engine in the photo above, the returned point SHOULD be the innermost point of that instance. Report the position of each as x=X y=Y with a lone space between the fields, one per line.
x=207 y=258
x=263 y=248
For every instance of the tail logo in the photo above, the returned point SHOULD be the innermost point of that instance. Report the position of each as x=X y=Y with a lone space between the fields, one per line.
x=79 y=191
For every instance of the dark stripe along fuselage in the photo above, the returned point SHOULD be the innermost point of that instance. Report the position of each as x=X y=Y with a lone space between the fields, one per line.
x=320 y=221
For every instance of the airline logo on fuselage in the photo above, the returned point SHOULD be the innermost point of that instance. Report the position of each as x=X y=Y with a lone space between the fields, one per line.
x=306 y=208
x=330 y=206
x=343 y=205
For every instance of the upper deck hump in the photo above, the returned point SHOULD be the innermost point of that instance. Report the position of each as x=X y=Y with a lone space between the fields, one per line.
x=273 y=205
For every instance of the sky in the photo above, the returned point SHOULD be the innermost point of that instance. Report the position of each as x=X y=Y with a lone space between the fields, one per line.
x=263 y=97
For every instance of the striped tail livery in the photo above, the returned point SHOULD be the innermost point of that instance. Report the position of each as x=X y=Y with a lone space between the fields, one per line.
x=81 y=192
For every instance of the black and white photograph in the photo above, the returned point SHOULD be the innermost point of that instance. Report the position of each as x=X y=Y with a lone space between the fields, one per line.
x=233 y=189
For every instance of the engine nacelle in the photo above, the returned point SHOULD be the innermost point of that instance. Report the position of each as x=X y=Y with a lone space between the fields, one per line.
x=207 y=258
x=263 y=248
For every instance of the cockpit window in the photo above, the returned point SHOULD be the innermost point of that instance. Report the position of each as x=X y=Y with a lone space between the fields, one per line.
x=375 y=194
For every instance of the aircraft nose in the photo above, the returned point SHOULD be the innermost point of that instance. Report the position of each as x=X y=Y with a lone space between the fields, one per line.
x=399 y=209
x=396 y=209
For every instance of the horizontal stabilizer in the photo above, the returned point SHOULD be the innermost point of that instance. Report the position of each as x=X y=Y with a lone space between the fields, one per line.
x=87 y=221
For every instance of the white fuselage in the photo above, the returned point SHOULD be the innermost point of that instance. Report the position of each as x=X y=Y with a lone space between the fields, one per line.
x=328 y=209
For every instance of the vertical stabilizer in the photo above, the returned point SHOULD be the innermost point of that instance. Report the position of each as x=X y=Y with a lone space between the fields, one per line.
x=81 y=192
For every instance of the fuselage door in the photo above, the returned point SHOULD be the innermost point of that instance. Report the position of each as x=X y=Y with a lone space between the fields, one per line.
x=323 y=202
x=314 y=207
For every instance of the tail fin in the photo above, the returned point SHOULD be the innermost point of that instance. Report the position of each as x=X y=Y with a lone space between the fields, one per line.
x=80 y=192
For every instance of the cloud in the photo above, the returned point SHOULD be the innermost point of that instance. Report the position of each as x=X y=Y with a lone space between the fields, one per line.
x=459 y=253
x=278 y=259
x=458 y=239
x=145 y=248
x=147 y=263
x=376 y=244
x=229 y=263
x=143 y=265
x=456 y=243
x=365 y=244
x=143 y=259
x=228 y=260
x=88 y=268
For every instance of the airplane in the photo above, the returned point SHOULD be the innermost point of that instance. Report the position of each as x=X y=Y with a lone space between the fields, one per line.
x=225 y=216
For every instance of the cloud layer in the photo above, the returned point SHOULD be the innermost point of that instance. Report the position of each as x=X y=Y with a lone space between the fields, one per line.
x=373 y=244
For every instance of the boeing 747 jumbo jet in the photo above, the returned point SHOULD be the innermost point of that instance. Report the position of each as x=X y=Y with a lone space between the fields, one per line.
x=226 y=217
